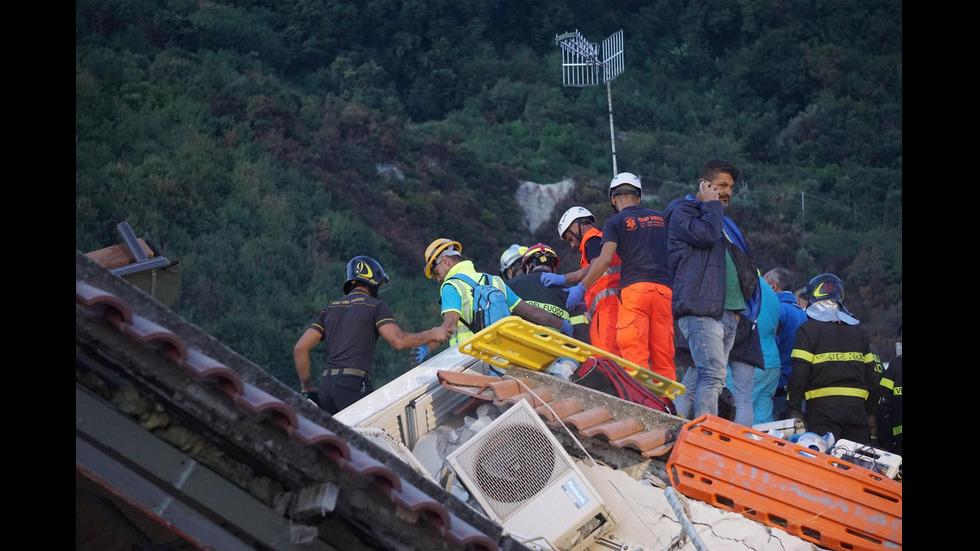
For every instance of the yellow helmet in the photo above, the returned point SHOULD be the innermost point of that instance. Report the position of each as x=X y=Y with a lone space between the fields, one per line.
x=436 y=248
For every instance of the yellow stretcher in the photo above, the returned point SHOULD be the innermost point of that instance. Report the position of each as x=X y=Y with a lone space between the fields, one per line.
x=514 y=341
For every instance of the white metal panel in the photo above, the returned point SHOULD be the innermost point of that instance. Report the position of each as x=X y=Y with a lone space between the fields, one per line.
x=522 y=478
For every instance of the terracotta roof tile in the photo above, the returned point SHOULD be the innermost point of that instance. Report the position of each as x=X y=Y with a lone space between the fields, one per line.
x=206 y=368
x=257 y=400
x=589 y=418
x=92 y=296
x=410 y=500
x=503 y=389
x=540 y=397
x=365 y=466
x=561 y=409
x=312 y=434
x=466 y=535
x=148 y=332
x=614 y=430
x=651 y=443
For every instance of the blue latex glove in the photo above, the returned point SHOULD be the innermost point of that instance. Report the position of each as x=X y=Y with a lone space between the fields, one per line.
x=576 y=298
x=566 y=328
x=549 y=279
x=421 y=351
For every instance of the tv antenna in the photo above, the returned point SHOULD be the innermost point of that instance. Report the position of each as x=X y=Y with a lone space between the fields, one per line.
x=582 y=64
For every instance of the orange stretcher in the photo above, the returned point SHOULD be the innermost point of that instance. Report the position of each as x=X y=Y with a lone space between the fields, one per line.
x=514 y=341
x=815 y=496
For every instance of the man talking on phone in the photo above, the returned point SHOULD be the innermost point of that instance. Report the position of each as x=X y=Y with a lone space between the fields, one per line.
x=707 y=254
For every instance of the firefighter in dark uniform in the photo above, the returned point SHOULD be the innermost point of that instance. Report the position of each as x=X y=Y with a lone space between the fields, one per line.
x=834 y=367
x=539 y=259
x=350 y=326
x=890 y=406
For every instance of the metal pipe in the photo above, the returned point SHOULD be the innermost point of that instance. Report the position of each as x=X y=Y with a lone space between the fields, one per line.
x=130 y=238
x=158 y=262
x=612 y=135
x=692 y=533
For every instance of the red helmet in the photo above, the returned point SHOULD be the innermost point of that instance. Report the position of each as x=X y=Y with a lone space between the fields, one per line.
x=540 y=254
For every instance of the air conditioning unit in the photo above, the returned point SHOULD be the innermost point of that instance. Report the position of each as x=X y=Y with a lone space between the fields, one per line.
x=524 y=480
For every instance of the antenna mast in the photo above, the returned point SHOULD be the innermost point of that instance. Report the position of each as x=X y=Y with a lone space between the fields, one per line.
x=582 y=64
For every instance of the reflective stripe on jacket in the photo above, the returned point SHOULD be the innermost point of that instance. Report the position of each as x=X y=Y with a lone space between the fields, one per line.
x=608 y=284
x=833 y=360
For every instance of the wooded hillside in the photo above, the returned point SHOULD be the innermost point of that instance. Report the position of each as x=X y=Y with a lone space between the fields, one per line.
x=264 y=143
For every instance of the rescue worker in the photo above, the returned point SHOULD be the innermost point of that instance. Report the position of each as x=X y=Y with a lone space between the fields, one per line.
x=539 y=259
x=638 y=234
x=510 y=261
x=350 y=327
x=890 y=405
x=577 y=227
x=443 y=258
x=791 y=316
x=834 y=367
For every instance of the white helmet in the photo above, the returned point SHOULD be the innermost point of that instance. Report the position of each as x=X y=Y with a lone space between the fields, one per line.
x=513 y=254
x=627 y=178
x=572 y=215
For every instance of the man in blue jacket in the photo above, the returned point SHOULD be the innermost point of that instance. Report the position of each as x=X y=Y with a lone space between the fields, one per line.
x=707 y=253
x=791 y=316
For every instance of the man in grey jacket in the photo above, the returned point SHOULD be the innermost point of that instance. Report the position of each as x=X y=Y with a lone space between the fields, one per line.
x=707 y=296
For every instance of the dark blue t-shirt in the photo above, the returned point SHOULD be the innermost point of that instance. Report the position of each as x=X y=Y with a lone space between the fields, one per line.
x=640 y=235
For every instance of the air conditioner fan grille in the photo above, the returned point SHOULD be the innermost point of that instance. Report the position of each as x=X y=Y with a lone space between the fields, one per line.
x=514 y=463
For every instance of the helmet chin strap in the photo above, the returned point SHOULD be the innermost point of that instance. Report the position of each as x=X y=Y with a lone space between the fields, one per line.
x=580 y=233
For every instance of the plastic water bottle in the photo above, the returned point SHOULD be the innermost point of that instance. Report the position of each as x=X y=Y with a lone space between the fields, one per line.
x=814 y=441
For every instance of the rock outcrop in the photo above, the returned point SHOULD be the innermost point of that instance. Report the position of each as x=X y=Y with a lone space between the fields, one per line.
x=539 y=200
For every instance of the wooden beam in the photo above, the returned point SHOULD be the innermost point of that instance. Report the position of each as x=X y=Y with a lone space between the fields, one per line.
x=117 y=255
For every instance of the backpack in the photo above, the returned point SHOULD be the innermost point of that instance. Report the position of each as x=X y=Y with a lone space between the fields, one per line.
x=489 y=302
x=605 y=375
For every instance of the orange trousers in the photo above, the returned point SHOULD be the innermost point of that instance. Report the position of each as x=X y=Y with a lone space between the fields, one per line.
x=602 y=328
x=645 y=327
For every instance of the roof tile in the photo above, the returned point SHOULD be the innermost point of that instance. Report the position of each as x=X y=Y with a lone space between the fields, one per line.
x=561 y=409
x=615 y=430
x=539 y=397
x=146 y=331
x=408 y=498
x=312 y=434
x=652 y=443
x=204 y=367
x=260 y=401
x=93 y=296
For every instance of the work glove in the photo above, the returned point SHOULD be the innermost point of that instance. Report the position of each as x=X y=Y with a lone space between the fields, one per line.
x=421 y=351
x=576 y=297
x=312 y=396
x=566 y=328
x=549 y=279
